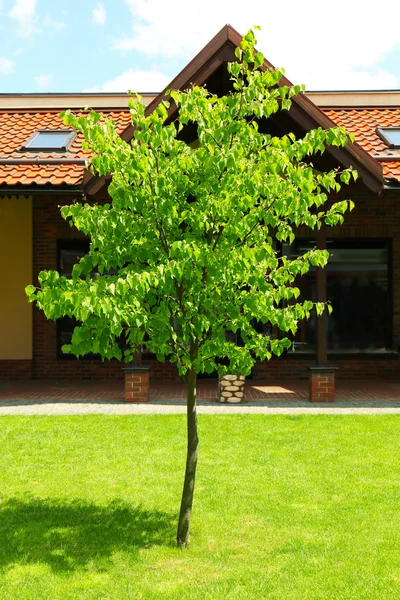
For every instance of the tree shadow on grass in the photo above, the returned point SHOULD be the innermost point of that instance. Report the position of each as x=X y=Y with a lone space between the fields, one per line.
x=70 y=536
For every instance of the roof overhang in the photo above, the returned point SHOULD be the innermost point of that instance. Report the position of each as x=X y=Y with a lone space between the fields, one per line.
x=356 y=99
x=219 y=51
x=42 y=102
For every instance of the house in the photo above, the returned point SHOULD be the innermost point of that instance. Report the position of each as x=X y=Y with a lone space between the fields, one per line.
x=42 y=167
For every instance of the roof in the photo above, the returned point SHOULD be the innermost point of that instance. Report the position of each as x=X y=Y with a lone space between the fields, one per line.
x=363 y=123
x=359 y=112
x=15 y=129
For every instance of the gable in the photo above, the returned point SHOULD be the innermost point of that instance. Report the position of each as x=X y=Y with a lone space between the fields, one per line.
x=209 y=67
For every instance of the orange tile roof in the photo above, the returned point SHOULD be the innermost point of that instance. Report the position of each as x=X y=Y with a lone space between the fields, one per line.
x=363 y=123
x=16 y=127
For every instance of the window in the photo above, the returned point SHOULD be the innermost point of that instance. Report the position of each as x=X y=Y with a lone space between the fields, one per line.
x=69 y=253
x=50 y=140
x=358 y=287
x=390 y=135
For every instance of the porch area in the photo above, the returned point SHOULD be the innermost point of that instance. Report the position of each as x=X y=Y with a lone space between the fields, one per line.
x=257 y=392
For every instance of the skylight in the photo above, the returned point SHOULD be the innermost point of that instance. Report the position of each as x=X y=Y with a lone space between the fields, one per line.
x=390 y=135
x=56 y=140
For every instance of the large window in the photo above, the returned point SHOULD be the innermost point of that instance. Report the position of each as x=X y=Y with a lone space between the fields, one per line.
x=358 y=287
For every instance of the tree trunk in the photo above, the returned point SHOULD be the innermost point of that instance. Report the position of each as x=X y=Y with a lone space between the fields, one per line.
x=185 y=513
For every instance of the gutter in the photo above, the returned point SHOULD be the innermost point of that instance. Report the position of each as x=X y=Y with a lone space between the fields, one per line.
x=392 y=186
x=84 y=161
x=7 y=191
x=386 y=157
x=43 y=161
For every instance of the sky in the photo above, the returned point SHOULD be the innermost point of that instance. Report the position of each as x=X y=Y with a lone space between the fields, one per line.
x=116 y=45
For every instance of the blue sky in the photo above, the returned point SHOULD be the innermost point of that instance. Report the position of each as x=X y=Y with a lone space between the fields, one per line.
x=116 y=45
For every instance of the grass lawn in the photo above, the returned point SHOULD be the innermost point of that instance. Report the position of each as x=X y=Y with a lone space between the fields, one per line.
x=288 y=508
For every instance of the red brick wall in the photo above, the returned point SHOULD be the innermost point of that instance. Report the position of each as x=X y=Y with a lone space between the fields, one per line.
x=363 y=367
x=373 y=217
x=15 y=369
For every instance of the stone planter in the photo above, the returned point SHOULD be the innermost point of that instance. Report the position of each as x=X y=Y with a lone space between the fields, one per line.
x=231 y=388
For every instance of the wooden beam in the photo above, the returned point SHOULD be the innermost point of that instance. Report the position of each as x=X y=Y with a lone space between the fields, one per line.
x=322 y=356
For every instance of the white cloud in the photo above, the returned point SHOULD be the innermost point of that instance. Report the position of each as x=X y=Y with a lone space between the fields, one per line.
x=135 y=80
x=6 y=66
x=99 y=14
x=43 y=81
x=52 y=24
x=23 y=12
x=340 y=49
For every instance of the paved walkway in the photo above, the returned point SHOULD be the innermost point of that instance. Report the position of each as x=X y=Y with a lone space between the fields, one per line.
x=271 y=407
x=106 y=397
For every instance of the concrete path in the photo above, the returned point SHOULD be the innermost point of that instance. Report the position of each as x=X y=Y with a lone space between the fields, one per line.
x=268 y=407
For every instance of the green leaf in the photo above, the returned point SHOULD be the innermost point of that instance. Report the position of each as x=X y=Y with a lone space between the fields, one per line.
x=30 y=290
x=258 y=60
x=238 y=53
x=345 y=177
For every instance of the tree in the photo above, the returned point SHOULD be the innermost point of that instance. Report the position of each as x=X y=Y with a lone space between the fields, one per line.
x=184 y=254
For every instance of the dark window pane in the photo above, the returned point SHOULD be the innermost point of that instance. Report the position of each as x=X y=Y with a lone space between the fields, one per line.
x=66 y=327
x=305 y=338
x=357 y=286
x=358 y=289
x=68 y=258
x=69 y=253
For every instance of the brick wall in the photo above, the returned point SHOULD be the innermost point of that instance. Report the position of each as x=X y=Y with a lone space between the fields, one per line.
x=15 y=369
x=363 y=367
x=373 y=217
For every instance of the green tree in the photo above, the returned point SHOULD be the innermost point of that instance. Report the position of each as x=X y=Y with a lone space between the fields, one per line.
x=184 y=253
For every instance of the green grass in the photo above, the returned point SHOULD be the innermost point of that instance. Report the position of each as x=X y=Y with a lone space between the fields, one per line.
x=288 y=508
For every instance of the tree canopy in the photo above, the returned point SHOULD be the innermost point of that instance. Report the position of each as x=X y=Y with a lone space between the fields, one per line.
x=186 y=252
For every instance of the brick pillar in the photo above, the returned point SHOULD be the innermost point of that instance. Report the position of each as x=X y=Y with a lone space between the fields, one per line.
x=137 y=383
x=322 y=384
